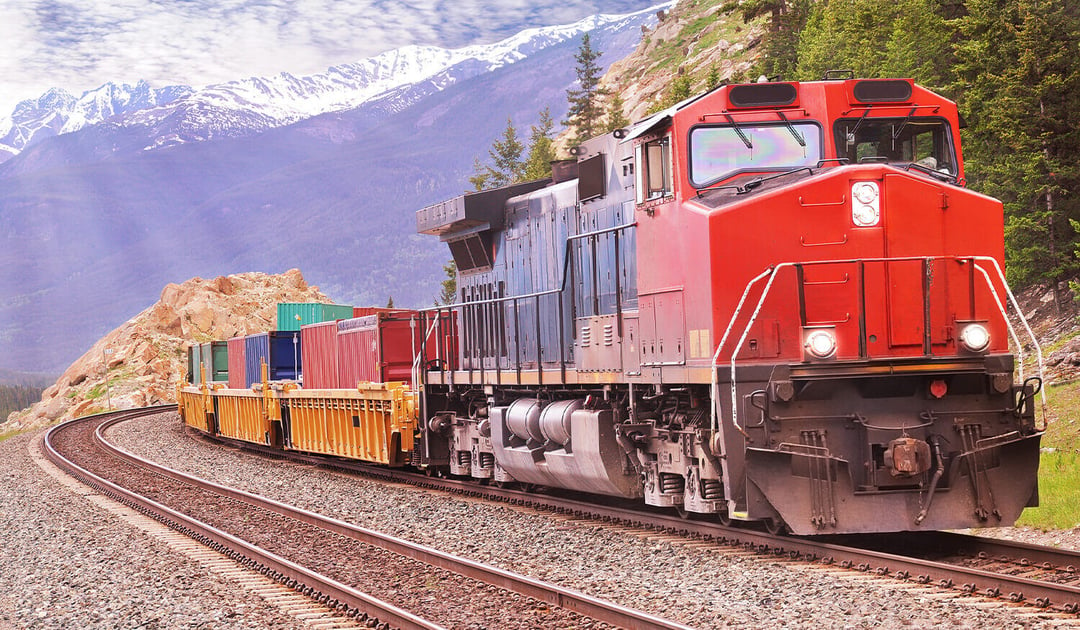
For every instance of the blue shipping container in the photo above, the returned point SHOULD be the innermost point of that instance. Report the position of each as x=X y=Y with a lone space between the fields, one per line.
x=280 y=349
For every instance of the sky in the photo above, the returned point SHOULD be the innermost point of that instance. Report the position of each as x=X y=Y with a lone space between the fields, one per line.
x=79 y=45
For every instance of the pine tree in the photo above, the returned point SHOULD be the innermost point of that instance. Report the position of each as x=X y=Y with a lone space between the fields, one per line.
x=902 y=38
x=586 y=110
x=541 y=148
x=616 y=119
x=448 y=295
x=678 y=91
x=1020 y=77
x=507 y=166
x=480 y=175
x=713 y=80
x=786 y=19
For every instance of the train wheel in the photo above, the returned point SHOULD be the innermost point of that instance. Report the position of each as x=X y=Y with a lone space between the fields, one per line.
x=724 y=518
x=776 y=526
x=680 y=509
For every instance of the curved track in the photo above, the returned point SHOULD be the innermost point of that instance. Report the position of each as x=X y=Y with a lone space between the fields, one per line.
x=1013 y=572
x=264 y=534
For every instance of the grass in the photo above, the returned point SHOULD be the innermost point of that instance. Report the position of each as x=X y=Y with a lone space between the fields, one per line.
x=1059 y=466
x=1060 y=343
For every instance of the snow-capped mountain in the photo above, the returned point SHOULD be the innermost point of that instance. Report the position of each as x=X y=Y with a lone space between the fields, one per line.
x=179 y=114
x=94 y=222
x=57 y=111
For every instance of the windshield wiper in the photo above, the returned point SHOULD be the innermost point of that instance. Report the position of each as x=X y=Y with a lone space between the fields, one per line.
x=936 y=174
x=742 y=136
x=903 y=123
x=753 y=183
x=791 y=128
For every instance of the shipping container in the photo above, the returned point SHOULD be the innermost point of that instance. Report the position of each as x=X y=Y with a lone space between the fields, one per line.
x=381 y=348
x=215 y=361
x=194 y=364
x=292 y=315
x=318 y=343
x=280 y=349
x=237 y=367
x=364 y=311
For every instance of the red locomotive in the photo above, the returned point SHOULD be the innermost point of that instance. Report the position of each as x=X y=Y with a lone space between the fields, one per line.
x=773 y=302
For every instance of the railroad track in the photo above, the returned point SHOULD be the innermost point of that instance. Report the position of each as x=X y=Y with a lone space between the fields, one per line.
x=1012 y=572
x=328 y=560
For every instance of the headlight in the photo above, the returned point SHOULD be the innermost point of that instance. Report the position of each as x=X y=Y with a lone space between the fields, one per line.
x=820 y=344
x=975 y=337
x=865 y=204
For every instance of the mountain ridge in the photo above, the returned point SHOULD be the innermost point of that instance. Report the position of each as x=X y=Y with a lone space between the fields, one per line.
x=255 y=104
x=92 y=225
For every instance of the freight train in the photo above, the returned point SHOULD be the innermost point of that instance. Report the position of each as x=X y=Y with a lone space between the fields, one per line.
x=773 y=302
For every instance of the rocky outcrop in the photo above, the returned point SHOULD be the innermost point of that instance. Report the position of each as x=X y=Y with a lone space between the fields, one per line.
x=146 y=356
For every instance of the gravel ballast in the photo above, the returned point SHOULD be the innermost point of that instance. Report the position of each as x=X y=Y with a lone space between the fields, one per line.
x=66 y=563
x=703 y=587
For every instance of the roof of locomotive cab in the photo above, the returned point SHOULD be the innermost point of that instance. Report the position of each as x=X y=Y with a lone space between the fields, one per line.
x=811 y=98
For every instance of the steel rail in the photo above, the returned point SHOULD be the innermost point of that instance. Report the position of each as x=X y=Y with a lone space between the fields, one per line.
x=575 y=601
x=825 y=550
x=320 y=587
x=1062 y=597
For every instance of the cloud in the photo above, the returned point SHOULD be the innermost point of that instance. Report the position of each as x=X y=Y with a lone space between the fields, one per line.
x=80 y=44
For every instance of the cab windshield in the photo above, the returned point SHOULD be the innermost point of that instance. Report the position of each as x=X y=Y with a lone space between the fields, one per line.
x=923 y=141
x=720 y=151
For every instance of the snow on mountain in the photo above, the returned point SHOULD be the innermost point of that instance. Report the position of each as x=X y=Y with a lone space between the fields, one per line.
x=56 y=111
x=179 y=114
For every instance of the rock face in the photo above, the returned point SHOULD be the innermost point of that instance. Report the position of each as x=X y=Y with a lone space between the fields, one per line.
x=146 y=356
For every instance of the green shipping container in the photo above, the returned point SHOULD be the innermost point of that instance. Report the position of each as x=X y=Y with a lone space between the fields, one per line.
x=293 y=315
x=194 y=364
x=215 y=361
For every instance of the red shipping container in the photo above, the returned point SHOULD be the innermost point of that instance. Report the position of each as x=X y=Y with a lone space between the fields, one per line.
x=364 y=311
x=319 y=350
x=379 y=348
x=237 y=363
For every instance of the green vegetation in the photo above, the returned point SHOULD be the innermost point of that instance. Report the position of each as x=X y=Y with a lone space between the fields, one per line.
x=586 y=107
x=16 y=397
x=448 y=295
x=1059 y=468
x=507 y=165
x=1011 y=67
x=541 y=148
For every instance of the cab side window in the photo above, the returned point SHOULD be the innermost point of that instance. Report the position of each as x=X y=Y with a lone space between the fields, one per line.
x=653 y=160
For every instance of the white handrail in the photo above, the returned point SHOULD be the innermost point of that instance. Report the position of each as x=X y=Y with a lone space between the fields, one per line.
x=771 y=273
x=419 y=354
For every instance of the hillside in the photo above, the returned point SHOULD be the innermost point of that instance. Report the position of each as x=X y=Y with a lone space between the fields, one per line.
x=144 y=358
x=693 y=39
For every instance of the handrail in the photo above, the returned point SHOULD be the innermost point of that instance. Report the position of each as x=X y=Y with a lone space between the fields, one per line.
x=566 y=267
x=771 y=273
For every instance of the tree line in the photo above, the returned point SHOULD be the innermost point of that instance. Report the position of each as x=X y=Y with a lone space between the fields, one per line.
x=590 y=113
x=1013 y=68
x=17 y=397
